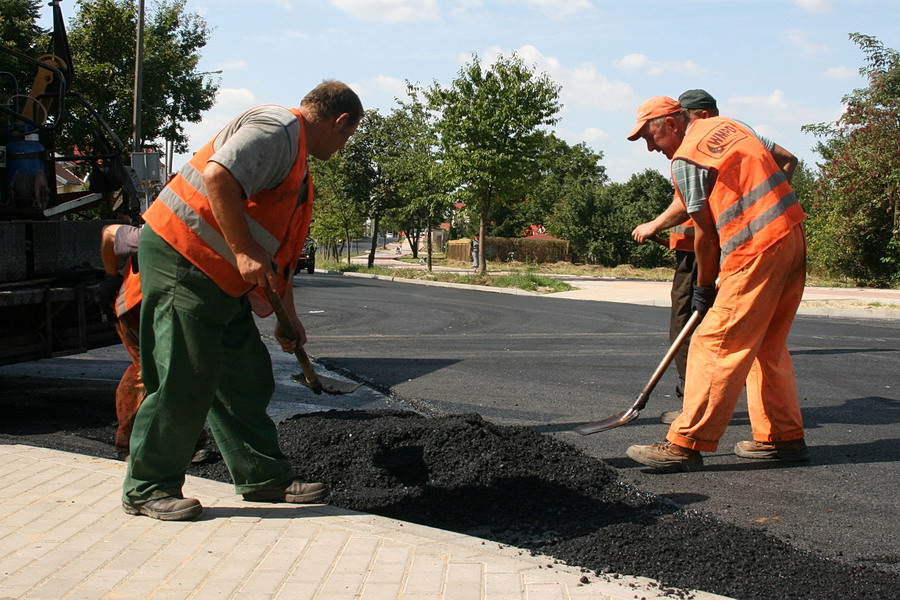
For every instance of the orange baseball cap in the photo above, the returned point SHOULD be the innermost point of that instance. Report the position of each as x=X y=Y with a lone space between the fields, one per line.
x=657 y=106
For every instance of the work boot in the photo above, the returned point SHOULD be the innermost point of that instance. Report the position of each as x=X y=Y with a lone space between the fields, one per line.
x=166 y=509
x=295 y=493
x=670 y=415
x=666 y=455
x=794 y=450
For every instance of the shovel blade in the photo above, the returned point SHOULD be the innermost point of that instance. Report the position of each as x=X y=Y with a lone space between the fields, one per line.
x=626 y=416
x=327 y=384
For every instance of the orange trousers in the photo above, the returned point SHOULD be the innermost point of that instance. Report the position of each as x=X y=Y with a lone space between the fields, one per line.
x=130 y=392
x=743 y=339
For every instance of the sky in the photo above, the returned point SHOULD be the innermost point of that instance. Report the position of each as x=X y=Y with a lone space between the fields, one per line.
x=773 y=64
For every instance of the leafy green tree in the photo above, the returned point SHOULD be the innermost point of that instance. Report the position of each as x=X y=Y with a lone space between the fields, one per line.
x=598 y=219
x=855 y=212
x=420 y=172
x=102 y=39
x=19 y=31
x=337 y=218
x=490 y=130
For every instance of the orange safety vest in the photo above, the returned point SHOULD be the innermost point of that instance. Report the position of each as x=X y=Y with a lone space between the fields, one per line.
x=752 y=201
x=181 y=215
x=130 y=293
x=681 y=237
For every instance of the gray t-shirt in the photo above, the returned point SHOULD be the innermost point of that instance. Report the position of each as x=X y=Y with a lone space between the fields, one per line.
x=259 y=147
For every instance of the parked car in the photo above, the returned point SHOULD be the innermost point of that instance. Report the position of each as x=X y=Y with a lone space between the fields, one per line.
x=307 y=257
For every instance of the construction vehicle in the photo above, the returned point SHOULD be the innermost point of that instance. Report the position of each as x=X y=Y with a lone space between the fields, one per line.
x=50 y=264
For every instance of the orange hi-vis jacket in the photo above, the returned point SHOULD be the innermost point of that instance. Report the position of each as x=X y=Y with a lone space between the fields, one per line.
x=182 y=216
x=681 y=237
x=752 y=201
x=129 y=294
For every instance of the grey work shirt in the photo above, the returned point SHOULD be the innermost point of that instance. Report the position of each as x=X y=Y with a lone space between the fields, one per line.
x=259 y=147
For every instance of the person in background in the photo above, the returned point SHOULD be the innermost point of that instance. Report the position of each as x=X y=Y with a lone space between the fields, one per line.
x=120 y=292
x=475 y=243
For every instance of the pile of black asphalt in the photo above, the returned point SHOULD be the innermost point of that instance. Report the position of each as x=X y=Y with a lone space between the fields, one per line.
x=516 y=487
x=508 y=485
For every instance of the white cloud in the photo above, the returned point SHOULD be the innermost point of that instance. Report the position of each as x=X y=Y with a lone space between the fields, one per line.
x=582 y=85
x=641 y=63
x=562 y=8
x=389 y=11
x=764 y=112
x=380 y=92
x=235 y=65
x=840 y=73
x=815 y=6
x=798 y=39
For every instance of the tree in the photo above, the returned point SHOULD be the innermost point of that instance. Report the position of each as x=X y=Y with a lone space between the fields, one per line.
x=561 y=166
x=855 y=212
x=490 y=130
x=419 y=171
x=598 y=219
x=102 y=38
x=19 y=31
x=338 y=219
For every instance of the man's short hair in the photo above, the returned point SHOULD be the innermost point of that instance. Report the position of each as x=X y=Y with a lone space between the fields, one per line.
x=332 y=98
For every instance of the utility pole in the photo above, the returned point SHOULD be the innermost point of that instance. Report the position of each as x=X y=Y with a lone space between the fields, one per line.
x=138 y=77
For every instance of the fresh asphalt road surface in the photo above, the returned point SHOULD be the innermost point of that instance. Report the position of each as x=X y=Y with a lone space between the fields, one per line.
x=552 y=364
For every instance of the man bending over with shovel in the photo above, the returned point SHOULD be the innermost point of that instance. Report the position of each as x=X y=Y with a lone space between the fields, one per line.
x=749 y=235
x=231 y=224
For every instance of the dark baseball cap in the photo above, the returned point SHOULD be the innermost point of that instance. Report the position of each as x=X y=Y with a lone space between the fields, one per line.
x=697 y=99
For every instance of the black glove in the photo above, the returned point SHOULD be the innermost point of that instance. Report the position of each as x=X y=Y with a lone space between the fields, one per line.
x=109 y=289
x=703 y=298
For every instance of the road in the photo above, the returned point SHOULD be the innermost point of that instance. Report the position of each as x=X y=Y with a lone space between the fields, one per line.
x=553 y=364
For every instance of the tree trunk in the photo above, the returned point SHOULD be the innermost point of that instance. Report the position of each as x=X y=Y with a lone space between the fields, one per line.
x=371 y=262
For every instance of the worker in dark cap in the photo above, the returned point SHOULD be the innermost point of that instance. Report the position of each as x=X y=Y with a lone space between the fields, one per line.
x=696 y=104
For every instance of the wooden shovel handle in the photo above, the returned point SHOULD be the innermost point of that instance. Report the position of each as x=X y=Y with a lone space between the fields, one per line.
x=312 y=379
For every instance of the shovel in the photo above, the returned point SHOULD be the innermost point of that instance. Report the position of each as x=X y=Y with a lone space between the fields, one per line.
x=626 y=416
x=313 y=381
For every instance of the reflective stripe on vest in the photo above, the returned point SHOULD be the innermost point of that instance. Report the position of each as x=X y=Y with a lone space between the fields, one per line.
x=681 y=237
x=278 y=220
x=744 y=203
x=129 y=294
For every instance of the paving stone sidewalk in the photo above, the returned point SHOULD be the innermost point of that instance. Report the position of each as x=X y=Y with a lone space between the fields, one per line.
x=64 y=536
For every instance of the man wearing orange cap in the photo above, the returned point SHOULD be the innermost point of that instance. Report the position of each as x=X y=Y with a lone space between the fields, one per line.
x=697 y=104
x=749 y=235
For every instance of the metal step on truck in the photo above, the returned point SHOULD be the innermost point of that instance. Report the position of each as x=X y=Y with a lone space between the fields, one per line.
x=50 y=264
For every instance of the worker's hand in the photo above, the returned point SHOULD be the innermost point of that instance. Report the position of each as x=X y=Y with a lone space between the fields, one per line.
x=643 y=232
x=255 y=266
x=703 y=298
x=108 y=289
x=289 y=344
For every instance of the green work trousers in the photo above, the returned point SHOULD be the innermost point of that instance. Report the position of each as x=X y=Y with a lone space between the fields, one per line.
x=203 y=359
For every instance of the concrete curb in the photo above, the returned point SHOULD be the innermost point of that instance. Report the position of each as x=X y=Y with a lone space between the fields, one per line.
x=656 y=293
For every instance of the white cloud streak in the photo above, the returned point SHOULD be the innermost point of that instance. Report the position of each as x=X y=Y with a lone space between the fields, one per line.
x=633 y=63
x=390 y=11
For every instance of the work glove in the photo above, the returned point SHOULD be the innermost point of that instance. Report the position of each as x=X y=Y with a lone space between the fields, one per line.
x=703 y=298
x=108 y=290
